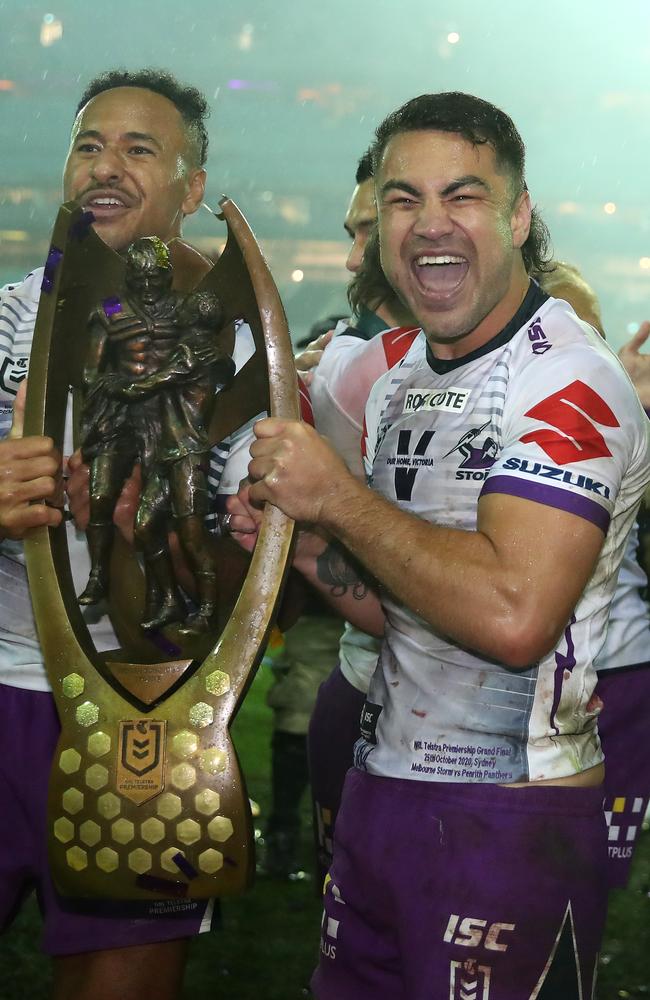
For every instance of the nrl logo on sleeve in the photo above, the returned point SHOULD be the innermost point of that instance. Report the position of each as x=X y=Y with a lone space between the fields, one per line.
x=452 y=399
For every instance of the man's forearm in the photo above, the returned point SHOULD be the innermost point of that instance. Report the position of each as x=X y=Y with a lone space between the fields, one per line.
x=422 y=565
x=506 y=589
x=331 y=570
x=455 y=580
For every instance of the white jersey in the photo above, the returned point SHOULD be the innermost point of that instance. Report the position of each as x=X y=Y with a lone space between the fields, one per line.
x=544 y=412
x=21 y=660
x=339 y=397
x=339 y=404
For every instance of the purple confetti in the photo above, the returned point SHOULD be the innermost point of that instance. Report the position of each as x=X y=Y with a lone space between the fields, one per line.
x=170 y=648
x=79 y=229
x=111 y=306
x=163 y=885
x=184 y=866
x=264 y=85
x=54 y=258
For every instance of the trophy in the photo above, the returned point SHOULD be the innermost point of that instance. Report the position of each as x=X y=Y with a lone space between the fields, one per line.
x=146 y=797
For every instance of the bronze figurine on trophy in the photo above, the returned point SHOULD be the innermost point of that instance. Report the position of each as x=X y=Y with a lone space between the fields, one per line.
x=153 y=368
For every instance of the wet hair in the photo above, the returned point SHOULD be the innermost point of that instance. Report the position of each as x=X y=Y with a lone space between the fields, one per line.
x=370 y=287
x=480 y=123
x=189 y=102
x=364 y=167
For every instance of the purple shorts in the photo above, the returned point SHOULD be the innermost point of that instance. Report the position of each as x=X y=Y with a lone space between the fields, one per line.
x=449 y=891
x=624 y=727
x=29 y=730
x=333 y=731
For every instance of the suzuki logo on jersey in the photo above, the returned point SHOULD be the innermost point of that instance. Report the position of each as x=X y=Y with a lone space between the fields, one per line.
x=453 y=399
x=559 y=475
x=537 y=337
x=573 y=412
x=407 y=464
x=471 y=932
x=478 y=460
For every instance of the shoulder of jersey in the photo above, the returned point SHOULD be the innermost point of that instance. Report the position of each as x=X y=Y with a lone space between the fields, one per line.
x=397 y=342
x=555 y=332
x=29 y=289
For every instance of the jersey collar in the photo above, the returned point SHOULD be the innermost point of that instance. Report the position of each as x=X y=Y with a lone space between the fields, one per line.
x=533 y=300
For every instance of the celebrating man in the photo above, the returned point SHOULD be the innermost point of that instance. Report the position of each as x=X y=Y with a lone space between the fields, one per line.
x=507 y=455
x=136 y=160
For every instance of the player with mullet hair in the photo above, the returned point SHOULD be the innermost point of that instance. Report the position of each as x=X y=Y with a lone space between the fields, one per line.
x=506 y=455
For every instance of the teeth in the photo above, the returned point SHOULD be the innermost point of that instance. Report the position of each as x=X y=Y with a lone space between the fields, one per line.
x=440 y=260
x=106 y=201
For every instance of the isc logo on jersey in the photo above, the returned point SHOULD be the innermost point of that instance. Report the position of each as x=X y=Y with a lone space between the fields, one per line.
x=453 y=399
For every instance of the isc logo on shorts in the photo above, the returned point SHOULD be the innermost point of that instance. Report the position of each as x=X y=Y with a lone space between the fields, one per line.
x=453 y=399
x=471 y=932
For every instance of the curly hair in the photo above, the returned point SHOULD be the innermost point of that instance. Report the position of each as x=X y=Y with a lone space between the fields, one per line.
x=190 y=102
x=479 y=122
x=369 y=287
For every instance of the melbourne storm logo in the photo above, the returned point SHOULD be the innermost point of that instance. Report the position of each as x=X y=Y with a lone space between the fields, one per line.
x=478 y=459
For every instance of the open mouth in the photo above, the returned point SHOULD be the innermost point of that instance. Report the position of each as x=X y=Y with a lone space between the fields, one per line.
x=105 y=205
x=440 y=274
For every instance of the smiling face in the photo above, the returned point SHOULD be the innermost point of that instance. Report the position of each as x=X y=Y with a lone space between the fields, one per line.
x=451 y=228
x=359 y=220
x=130 y=163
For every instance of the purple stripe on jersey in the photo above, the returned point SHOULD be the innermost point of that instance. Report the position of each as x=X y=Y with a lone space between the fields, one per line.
x=550 y=497
x=564 y=662
x=49 y=271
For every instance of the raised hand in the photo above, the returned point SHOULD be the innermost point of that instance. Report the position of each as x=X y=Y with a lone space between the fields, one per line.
x=637 y=364
x=311 y=356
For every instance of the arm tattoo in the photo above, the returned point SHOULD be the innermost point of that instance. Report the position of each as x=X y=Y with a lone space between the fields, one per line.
x=336 y=568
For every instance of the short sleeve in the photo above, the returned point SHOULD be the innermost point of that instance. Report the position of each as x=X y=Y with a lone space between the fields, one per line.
x=572 y=429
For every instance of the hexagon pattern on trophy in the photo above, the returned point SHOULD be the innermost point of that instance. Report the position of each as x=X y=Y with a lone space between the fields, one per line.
x=94 y=831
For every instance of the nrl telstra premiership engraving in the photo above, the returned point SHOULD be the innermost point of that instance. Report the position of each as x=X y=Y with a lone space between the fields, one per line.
x=140 y=769
x=146 y=796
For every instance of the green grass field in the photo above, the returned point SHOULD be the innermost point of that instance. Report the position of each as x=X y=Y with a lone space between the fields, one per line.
x=267 y=945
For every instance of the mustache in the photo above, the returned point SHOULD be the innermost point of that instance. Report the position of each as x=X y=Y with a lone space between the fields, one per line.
x=106 y=191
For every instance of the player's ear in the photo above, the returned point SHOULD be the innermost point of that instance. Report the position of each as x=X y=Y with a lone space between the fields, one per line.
x=520 y=220
x=195 y=190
